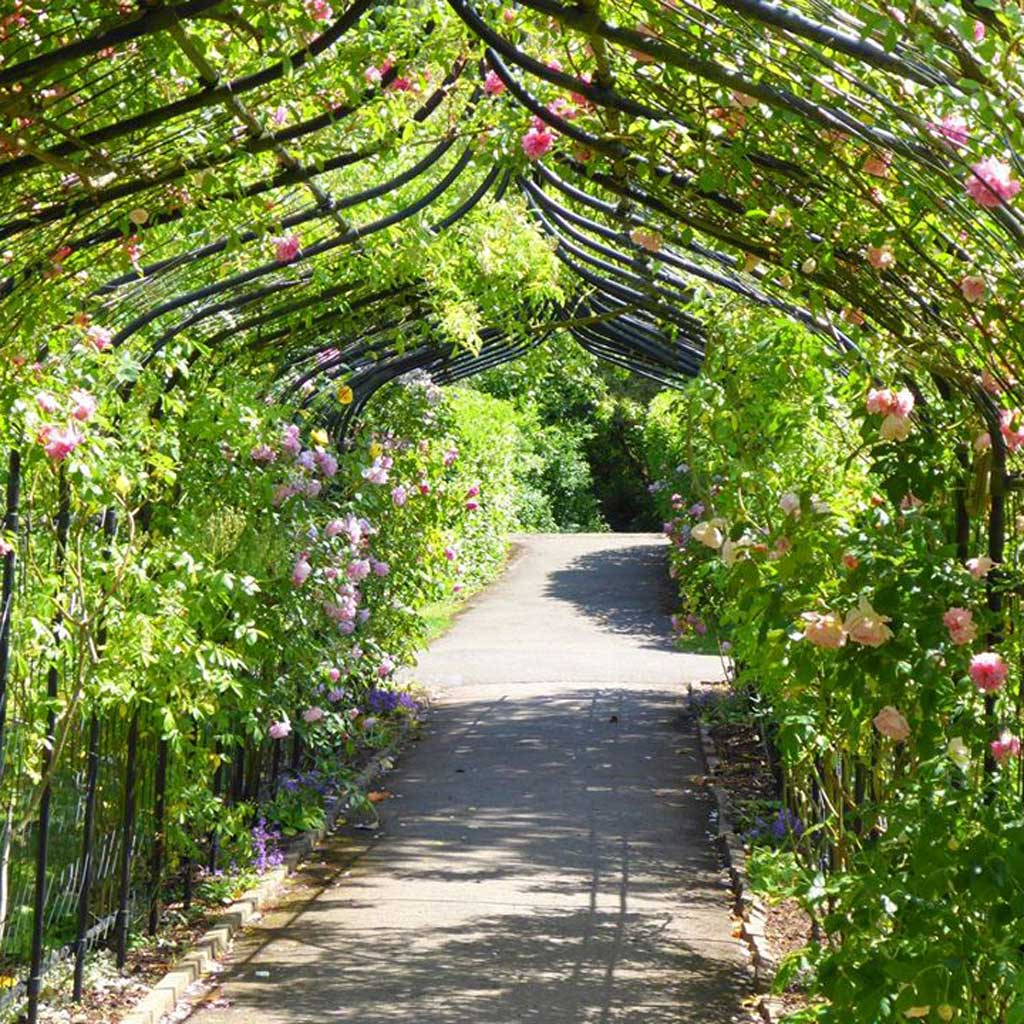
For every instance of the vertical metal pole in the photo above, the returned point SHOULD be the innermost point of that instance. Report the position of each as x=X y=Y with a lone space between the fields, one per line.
x=35 y=975
x=87 y=860
x=10 y=523
x=218 y=777
x=127 y=839
x=159 y=824
x=89 y=826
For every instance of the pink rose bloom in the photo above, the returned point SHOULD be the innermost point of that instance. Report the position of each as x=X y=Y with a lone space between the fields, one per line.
x=991 y=183
x=979 y=567
x=493 y=85
x=473 y=491
x=450 y=456
x=47 y=402
x=961 y=626
x=100 y=338
x=536 y=142
x=385 y=668
x=880 y=401
x=865 y=626
x=278 y=730
x=301 y=571
x=359 y=569
x=287 y=248
x=903 y=402
x=319 y=10
x=399 y=495
x=978 y=32
x=334 y=674
x=891 y=724
x=823 y=630
x=988 y=671
x=1005 y=747
x=1011 y=426
x=952 y=129
x=401 y=83
x=894 y=428
x=472 y=506
x=335 y=695
x=372 y=76
x=85 y=406
x=313 y=714
x=59 y=444
x=881 y=257
x=972 y=287
x=450 y=554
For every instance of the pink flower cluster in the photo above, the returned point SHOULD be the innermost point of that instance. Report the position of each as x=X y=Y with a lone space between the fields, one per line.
x=1005 y=747
x=961 y=626
x=895 y=407
x=59 y=441
x=319 y=10
x=1011 y=426
x=988 y=671
x=991 y=183
x=537 y=141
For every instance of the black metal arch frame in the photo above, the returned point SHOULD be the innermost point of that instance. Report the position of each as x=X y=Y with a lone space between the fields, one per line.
x=627 y=302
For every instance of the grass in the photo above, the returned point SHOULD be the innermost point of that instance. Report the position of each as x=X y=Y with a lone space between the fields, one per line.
x=440 y=615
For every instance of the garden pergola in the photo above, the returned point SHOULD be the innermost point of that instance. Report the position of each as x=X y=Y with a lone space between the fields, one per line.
x=251 y=188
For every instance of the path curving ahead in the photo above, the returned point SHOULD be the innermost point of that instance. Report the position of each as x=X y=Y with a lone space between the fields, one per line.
x=546 y=858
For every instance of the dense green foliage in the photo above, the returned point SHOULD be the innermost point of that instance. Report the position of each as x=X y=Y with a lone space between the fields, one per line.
x=825 y=557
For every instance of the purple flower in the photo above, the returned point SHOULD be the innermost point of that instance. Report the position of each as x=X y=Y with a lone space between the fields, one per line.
x=263 y=453
x=267 y=854
x=278 y=730
x=290 y=443
x=359 y=569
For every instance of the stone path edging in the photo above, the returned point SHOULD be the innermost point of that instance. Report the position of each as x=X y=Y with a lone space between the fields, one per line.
x=749 y=907
x=199 y=961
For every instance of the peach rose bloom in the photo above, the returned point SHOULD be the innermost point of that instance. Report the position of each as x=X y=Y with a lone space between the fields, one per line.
x=865 y=626
x=891 y=724
x=823 y=630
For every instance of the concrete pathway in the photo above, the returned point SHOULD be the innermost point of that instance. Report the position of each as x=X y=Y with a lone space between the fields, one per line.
x=546 y=858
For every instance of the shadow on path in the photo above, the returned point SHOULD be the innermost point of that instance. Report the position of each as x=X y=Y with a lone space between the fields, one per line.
x=626 y=591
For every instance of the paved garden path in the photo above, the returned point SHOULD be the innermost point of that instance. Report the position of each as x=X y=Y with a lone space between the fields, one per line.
x=546 y=857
